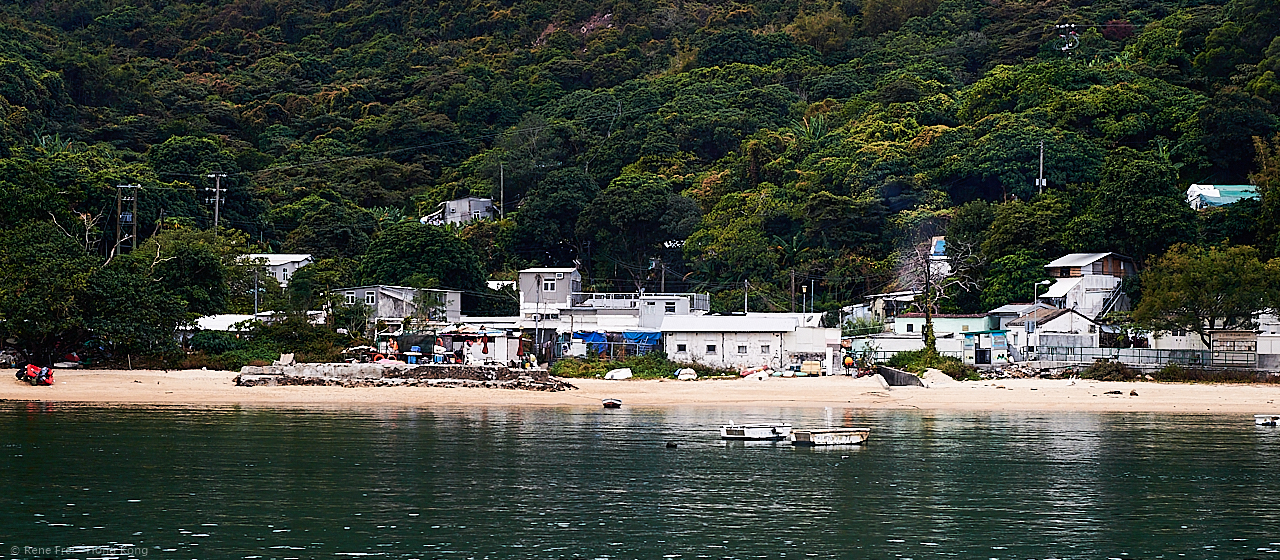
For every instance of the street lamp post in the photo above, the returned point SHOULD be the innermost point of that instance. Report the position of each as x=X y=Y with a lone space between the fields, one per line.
x=1035 y=290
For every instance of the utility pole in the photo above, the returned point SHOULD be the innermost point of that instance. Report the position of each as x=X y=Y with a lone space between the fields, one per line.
x=502 y=192
x=793 y=291
x=1040 y=182
x=745 y=286
x=217 y=198
x=129 y=218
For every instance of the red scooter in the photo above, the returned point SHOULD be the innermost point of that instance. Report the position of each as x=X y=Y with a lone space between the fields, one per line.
x=35 y=375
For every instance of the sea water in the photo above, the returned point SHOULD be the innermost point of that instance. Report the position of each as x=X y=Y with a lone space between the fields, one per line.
x=585 y=482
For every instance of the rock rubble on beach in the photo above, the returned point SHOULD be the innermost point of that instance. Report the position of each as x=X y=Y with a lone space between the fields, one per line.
x=1023 y=371
x=391 y=375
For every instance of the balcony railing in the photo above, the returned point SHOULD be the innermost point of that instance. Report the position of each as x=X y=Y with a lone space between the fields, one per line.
x=631 y=300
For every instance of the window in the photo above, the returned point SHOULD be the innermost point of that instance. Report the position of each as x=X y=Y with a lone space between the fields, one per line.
x=670 y=308
x=964 y=328
x=764 y=348
x=911 y=327
x=559 y=276
x=548 y=285
x=370 y=298
x=711 y=349
x=351 y=298
x=682 y=348
x=742 y=348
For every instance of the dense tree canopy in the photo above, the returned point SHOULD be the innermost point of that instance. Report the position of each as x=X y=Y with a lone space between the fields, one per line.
x=686 y=145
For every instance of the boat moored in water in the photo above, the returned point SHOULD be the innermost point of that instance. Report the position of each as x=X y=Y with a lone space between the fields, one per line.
x=830 y=436
x=755 y=431
x=612 y=403
x=1266 y=419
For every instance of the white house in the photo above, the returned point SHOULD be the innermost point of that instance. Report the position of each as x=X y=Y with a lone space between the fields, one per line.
x=552 y=298
x=913 y=323
x=1089 y=283
x=392 y=305
x=742 y=341
x=1055 y=328
x=998 y=318
x=282 y=265
x=461 y=211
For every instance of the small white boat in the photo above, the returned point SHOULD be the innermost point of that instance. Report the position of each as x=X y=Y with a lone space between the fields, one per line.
x=831 y=436
x=756 y=431
x=1266 y=419
x=612 y=403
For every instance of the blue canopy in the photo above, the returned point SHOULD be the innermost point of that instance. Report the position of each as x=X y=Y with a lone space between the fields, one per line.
x=590 y=337
x=649 y=338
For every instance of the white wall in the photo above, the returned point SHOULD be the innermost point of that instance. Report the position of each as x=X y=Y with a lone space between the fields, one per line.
x=727 y=348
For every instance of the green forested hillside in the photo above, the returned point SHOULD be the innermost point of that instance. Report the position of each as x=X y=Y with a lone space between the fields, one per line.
x=770 y=142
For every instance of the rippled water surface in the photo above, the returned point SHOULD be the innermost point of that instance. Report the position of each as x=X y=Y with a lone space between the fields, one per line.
x=526 y=482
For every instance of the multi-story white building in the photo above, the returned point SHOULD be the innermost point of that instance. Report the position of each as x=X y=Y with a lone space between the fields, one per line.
x=1088 y=283
x=461 y=211
x=281 y=265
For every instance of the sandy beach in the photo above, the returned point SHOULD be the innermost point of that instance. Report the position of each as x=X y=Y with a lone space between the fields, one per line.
x=200 y=387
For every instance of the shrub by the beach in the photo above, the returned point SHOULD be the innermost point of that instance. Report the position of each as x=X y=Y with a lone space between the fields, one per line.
x=653 y=365
x=1173 y=372
x=215 y=342
x=1109 y=371
x=264 y=343
x=916 y=361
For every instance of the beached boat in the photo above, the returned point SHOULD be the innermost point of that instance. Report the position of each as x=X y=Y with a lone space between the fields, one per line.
x=756 y=431
x=831 y=436
x=612 y=403
x=1266 y=419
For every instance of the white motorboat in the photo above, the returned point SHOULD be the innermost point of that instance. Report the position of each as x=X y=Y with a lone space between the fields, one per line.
x=1266 y=419
x=830 y=436
x=756 y=431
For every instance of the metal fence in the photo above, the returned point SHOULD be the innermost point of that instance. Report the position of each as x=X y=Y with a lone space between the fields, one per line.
x=608 y=350
x=1146 y=356
x=882 y=356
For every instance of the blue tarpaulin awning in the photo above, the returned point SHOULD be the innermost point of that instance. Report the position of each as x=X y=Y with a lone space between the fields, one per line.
x=649 y=338
x=590 y=337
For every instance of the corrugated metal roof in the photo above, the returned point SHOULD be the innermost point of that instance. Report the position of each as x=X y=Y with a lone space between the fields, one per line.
x=545 y=270
x=1062 y=286
x=1081 y=259
x=277 y=259
x=1011 y=308
x=723 y=323
x=1043 y=316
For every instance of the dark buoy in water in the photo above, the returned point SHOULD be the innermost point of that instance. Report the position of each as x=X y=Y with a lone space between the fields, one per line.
x=672 y=445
